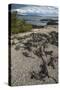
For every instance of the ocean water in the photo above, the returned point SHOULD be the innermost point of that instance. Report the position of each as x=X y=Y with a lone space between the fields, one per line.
x=38 y=20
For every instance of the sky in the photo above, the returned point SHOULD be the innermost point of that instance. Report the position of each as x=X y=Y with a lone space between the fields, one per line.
x=34 y=10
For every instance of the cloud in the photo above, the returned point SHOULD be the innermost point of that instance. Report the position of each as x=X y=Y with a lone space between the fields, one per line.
x=37 y=10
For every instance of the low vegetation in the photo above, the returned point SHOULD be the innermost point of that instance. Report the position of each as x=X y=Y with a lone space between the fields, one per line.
x=18 y=25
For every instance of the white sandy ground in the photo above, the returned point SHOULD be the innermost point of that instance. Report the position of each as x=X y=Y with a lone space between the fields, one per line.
x=21 y=66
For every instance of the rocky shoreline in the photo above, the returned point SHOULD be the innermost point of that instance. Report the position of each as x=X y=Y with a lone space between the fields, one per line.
x=34 y=56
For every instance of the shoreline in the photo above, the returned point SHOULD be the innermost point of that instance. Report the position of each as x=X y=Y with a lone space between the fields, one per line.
x=37 y=30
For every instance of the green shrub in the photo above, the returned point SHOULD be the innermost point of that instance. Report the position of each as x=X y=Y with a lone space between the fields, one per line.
x=19 y=26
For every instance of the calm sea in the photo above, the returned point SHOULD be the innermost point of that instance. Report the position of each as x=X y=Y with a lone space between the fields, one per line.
x=38 y=20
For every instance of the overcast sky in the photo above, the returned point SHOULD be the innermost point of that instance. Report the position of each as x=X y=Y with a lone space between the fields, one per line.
x=34 y=9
